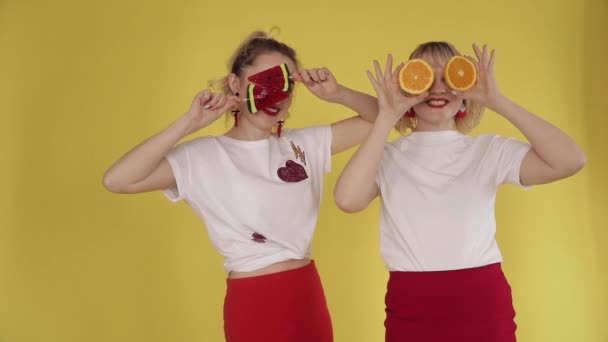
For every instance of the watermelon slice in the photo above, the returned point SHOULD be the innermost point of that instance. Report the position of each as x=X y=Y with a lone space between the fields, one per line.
x=259 y=98
x=277 y=77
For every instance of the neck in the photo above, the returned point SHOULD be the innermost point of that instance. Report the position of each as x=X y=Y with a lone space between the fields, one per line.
x=423 y=126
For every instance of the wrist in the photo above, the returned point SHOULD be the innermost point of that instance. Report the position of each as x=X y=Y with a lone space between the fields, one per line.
x=185 y=125
x=499 y=104
x=341 y=96
x=387 y=120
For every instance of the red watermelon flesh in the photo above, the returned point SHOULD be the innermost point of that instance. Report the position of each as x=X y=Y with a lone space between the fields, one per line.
x=259 y=98
x=277 y=77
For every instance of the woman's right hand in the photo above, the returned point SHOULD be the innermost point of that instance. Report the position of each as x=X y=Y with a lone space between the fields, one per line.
x=207 y=107
x=392 y=100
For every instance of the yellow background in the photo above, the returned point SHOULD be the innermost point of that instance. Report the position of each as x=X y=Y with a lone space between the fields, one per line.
x=82 y=82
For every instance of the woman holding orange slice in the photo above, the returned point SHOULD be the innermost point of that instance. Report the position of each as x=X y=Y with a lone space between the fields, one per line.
x=438 y=186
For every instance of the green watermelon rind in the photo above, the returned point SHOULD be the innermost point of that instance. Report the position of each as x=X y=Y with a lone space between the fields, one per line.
x=286 y=75
x=251 y=99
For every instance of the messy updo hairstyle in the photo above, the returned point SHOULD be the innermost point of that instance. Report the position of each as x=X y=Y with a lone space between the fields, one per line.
x=257 y=43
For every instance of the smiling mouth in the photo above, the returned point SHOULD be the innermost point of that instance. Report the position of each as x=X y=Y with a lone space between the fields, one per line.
x=437 y=103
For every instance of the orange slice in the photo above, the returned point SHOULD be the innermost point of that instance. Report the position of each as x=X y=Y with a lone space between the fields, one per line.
x=416 y=76
x=460 y=73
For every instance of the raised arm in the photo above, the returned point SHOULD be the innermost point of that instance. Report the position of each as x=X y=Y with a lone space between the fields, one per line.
x=145 y=168
x=554 y=155
x=356 y=187
x=349 y=132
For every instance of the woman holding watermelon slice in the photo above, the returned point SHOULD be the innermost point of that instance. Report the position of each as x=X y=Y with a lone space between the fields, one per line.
x=258 y=192
x=438 y=187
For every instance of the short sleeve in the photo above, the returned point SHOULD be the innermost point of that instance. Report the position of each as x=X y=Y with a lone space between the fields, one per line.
x=180 y=161
x=380 y=172
x=318 y=140
x=508 y=154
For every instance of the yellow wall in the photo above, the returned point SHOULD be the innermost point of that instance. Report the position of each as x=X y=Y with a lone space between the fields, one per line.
x=595 y=77
x=81 y=82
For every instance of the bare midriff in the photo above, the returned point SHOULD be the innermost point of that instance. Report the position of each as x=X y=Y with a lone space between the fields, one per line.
x=274 y=268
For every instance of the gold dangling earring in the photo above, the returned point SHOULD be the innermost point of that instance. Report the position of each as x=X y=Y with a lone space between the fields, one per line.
x=413 y=122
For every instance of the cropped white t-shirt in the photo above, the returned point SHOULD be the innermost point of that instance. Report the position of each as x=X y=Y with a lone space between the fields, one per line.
x=259 y=199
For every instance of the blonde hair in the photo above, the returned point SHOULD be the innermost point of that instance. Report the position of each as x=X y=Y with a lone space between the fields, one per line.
x=443 y=51
x=257 y=43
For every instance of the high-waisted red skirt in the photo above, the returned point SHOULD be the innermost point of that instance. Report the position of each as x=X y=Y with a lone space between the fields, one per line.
x=472 y=305
x=286 y=306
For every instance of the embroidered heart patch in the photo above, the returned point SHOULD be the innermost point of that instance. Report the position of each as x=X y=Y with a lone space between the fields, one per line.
x=292 y=172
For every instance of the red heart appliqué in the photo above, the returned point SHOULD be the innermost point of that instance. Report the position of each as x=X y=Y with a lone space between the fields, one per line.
x=292 y=172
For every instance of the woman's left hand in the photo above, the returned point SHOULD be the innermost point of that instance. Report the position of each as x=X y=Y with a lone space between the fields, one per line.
x=485 y=91
x=321 y=82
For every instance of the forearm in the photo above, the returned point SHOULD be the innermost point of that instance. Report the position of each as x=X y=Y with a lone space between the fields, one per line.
x=356 y=187
x=142 y=160
x=551 y=144
x=363 y=104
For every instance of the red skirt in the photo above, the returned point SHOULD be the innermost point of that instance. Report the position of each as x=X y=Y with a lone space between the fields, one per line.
x=286 y=306
x=472 y=305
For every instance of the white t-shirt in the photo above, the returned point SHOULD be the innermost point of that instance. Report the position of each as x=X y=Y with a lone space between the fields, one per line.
x=259 y=199
x=438 y=191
